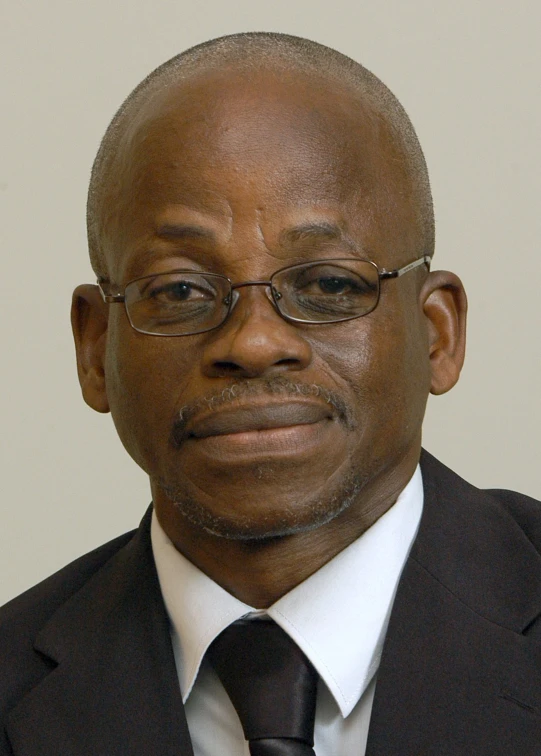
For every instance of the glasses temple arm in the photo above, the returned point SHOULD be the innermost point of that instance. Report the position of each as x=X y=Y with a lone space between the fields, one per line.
x=109 y=298
x=424 y=260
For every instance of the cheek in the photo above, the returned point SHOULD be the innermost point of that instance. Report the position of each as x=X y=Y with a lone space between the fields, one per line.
x=382 y=364
x=403 y=371
x=144 y=378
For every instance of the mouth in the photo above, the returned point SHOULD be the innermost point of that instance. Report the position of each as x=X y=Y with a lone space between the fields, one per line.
x=256 y=418
x=256 y=431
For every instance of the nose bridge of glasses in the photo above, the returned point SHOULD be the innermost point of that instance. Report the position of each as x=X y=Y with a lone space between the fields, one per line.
x=235 y=294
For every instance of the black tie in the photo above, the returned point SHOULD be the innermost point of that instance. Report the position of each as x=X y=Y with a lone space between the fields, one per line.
x=271 y=684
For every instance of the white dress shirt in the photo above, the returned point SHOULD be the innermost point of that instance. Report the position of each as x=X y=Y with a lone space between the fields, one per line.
x=338 y=617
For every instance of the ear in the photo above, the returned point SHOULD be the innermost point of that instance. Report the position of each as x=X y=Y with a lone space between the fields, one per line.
x=445 y=306
x=89 y=315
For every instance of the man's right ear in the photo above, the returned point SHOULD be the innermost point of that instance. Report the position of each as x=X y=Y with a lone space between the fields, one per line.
x=89 y=316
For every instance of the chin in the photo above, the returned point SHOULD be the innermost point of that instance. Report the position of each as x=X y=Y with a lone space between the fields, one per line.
x=249 y=521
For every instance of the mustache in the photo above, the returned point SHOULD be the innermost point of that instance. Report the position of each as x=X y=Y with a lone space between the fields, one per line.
x=258 y=389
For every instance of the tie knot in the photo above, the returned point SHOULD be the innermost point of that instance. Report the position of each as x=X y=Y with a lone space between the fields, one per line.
x=269 y=680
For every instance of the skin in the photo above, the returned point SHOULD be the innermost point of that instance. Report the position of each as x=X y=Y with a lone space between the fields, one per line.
x=247 y=160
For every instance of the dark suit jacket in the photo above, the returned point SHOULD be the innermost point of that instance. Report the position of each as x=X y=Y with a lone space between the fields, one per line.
x=87 y=668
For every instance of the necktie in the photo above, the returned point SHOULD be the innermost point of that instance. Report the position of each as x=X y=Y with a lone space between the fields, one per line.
x=271 y=684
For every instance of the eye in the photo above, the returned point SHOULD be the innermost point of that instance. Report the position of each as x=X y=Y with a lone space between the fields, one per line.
x=333 y=282
x=179 y=291
x=337 y=284
x=326 y=292
x=175 y=290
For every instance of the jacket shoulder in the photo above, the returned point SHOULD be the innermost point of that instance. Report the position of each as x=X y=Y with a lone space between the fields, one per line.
x=24 y=616
x=512 y=509
x=524 y=510
x=34 y=606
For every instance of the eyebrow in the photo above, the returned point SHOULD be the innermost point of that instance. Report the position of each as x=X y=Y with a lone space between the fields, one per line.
x=184 y=231
x=323 y=230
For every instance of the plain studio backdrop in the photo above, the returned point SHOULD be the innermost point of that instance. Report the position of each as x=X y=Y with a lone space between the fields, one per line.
x=467 y=72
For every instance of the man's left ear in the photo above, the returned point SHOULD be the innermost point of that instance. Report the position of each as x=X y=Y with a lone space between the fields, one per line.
x=89 y=316
x=445 y=305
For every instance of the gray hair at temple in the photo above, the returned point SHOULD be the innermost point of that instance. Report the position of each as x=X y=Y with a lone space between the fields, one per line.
x=252 y=51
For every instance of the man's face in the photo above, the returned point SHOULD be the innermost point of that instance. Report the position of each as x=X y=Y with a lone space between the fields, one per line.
x=263 y=427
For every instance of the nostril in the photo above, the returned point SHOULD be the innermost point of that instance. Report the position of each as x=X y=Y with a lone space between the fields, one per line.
x=288 y=362
x=224 y=366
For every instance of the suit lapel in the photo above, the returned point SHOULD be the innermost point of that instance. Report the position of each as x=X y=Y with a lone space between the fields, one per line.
x=115 y=689
x=458 y=675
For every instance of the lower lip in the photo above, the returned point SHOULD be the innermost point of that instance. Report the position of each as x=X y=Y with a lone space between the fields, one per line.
x=276 y=442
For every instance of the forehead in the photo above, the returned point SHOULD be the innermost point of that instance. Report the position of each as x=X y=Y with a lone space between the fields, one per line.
x=229 y=143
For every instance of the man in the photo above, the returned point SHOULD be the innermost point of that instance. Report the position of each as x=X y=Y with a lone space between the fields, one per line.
x=265 y=332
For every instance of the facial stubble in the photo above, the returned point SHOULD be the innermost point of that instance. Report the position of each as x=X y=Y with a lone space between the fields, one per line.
x=306 y=513
x=302 y=517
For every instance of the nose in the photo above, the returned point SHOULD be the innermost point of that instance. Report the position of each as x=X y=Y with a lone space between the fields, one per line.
x=255 y=341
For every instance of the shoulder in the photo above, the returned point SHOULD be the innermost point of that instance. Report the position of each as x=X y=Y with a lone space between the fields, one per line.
x=525 y=511
x=41 y=600
x=484 y=546
x=23 y=617
x=443 y=486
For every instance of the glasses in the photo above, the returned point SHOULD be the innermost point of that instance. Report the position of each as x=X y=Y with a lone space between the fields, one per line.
x=186 y=302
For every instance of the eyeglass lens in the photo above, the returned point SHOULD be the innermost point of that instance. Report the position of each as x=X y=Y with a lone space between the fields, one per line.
x=184 y=302
x=326 y=292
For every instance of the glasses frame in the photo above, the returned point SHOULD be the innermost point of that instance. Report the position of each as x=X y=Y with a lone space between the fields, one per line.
x=273 y=295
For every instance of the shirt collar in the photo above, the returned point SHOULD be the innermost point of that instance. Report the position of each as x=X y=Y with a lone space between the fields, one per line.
x=338 y=616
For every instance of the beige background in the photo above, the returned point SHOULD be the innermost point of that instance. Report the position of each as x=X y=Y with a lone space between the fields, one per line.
x=468 y=73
